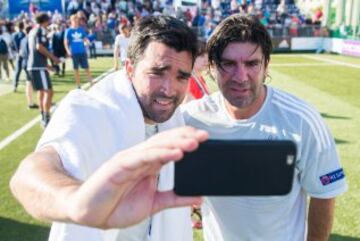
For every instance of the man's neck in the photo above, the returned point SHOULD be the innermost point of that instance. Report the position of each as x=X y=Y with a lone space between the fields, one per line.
x=149 y=122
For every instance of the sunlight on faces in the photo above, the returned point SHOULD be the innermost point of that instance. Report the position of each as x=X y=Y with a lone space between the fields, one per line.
x=160 y=80
x=241 y=77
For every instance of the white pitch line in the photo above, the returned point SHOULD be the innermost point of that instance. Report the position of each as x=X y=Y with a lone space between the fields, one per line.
x=332 y=61
x=19 y=132
x=301 y=64
x=33 y=122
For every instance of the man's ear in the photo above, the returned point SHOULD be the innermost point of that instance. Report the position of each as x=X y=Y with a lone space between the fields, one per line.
x=129 y=68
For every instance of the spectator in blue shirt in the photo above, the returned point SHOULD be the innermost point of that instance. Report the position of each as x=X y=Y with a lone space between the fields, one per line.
x=74 y=41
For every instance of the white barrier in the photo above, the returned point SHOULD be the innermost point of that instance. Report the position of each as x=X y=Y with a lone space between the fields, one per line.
x=335 y=45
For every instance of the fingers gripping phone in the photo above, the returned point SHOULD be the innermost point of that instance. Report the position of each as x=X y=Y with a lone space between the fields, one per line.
x=237 y=167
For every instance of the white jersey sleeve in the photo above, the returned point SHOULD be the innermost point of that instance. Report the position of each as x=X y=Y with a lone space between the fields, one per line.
x=321 y=174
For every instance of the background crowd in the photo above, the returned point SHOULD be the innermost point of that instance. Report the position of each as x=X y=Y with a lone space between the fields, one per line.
x=105 y=24
x=101 y=18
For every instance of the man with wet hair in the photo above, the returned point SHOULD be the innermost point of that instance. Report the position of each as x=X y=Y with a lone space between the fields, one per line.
x=247 y=108
x=101 y=163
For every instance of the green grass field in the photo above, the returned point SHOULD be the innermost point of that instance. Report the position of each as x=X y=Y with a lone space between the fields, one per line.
x=329 y=82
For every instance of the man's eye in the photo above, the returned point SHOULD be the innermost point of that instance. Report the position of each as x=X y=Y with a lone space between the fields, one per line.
x=183 y=78
x=253 y=64
x=156 y=73
x=227 y=64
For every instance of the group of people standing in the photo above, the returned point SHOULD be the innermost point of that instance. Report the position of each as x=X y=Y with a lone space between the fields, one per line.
x=103 y=169
x=34 y=46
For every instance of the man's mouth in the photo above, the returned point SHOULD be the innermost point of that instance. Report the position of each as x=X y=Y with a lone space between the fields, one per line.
x=239 y=90
x=164 y=101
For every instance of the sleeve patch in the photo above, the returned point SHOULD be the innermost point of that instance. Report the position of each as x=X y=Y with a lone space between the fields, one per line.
x=332 y=177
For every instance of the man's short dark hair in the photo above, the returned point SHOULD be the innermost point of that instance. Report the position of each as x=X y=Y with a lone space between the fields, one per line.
x=42 y=18
x=240 y=29
x=163 y=29
x=21 y=25
x=28 y=29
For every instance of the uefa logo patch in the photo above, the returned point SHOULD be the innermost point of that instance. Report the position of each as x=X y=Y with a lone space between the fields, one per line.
x=332 y=177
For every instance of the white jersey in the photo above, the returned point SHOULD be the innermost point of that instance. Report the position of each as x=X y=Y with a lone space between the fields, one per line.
x=318 y=172
x=121 y=42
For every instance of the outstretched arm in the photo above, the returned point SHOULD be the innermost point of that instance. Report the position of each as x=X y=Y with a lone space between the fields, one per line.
x=121 y=193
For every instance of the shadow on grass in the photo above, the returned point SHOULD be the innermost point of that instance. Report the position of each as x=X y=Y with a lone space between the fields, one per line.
x=336 y=237
x=328 y=116
x=339 y=141
x=16 y=231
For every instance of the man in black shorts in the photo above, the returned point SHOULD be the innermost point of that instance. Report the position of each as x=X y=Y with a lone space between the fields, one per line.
x=37 y=65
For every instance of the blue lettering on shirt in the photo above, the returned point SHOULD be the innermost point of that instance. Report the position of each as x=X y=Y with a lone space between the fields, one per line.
x=332 y=177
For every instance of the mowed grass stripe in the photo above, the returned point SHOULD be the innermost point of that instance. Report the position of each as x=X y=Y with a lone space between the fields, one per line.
x=338 y=81
x=328 y=60
x=302 y=64
x=291 y=59
x=342 y=58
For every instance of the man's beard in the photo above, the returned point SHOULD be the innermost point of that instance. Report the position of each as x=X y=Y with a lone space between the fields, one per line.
x=238 y=101
x=146 y=109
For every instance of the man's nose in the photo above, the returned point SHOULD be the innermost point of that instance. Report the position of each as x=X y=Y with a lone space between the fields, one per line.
x=241 y=73
x=168 y=87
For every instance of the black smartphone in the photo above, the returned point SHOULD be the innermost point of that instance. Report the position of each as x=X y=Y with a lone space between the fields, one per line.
x=237 y=167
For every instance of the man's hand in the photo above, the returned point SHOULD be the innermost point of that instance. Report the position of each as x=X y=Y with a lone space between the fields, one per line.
x=56 y=60
x=124 y=190
x=50 y=68
x=121 y=193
